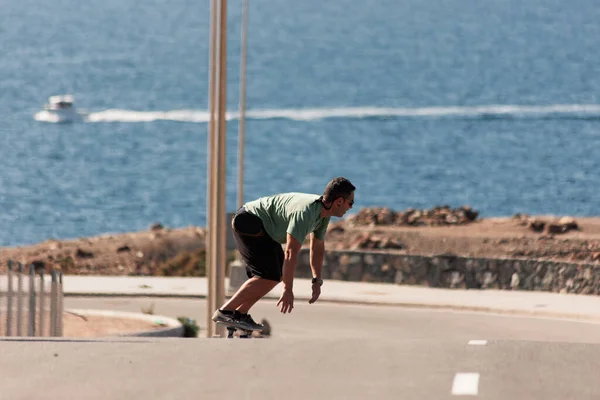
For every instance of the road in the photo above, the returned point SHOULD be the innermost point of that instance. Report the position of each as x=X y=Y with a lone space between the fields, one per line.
x=320 y=351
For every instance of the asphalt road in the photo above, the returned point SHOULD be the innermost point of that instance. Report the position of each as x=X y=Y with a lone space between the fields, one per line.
x=320 y=351
x=336 y=321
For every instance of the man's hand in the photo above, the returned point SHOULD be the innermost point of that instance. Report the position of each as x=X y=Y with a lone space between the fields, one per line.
x=316 y=292
x=286 y=301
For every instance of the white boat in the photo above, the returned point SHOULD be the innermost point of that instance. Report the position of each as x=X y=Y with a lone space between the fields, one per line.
x=60 y=108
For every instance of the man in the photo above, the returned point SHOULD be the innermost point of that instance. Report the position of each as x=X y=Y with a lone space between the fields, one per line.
x=261 y=226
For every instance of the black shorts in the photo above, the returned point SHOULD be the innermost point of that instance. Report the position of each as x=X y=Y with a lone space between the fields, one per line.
x=262 y=255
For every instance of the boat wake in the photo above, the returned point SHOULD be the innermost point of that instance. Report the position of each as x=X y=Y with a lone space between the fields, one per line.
x=557 y=111
x=46 y=116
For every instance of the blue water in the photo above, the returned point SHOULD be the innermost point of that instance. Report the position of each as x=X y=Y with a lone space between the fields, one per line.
x=493 y=104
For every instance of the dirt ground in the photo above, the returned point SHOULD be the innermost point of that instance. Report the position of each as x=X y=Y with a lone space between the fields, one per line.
x=88 y=326
x=491 y=237
x=102 y=326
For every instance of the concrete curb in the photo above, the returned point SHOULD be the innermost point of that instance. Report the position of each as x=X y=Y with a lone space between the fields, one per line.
x=173 y=328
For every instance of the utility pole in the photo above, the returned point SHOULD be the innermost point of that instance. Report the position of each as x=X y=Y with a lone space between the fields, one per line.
x=216 y=233
x=241 y=134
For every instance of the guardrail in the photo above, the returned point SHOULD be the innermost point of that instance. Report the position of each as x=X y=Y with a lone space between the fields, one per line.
x=31 y=303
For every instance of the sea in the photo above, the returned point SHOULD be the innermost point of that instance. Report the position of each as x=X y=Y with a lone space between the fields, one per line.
x=493 y=104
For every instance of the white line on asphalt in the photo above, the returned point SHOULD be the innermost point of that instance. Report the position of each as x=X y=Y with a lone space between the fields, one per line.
x=477 y=342
x=465 y=384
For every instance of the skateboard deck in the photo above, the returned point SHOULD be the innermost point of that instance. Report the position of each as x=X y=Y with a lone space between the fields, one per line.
x=232 y=329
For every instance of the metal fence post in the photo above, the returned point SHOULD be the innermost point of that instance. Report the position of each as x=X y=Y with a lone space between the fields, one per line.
x=60 y=305
x=2 y=320
x=20 y=299
x=9 y=299
x=31 y=327
x=53 y=293
x=42 y=303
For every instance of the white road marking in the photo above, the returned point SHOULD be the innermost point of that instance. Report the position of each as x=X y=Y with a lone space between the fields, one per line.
x=477 y=342
x=465 y=384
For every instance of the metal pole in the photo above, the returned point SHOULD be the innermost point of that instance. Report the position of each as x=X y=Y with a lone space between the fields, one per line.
x=53 y=303
x=216 y=254
x=211 y=304
x=242 y=125
x=2 y=318
x=19 y=299
x=60 y=308
x=219 y=240
x=9 y=299
x=31 y=327
x=42 y=303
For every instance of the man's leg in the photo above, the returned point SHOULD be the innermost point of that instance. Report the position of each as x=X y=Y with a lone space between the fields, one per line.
x=268 y=286
x=249 y=293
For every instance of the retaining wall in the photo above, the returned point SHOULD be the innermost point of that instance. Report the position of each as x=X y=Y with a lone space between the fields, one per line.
x=450 y=271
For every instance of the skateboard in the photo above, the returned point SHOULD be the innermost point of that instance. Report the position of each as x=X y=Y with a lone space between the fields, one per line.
x=232 y=330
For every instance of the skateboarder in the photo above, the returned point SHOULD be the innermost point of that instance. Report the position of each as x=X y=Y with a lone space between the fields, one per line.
x=261 y=226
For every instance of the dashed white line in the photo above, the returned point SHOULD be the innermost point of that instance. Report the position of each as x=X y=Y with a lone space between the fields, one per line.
x=477 y=342
x=465 y=384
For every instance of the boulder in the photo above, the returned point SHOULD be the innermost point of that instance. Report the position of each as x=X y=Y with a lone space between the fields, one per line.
x=437 y=216
x=568 y=223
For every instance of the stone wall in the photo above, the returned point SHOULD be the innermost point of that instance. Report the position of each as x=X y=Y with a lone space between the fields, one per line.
x=450 y=271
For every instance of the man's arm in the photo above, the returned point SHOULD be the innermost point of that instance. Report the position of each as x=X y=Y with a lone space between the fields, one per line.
x=292 y=248
x=317 y=253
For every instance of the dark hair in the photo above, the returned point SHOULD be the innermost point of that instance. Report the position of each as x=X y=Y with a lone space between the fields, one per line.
x=336 y=188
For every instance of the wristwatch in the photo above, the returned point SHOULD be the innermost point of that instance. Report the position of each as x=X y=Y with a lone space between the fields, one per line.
x=318 y=280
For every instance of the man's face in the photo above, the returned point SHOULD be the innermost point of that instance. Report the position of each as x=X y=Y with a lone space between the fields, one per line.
x=345 y=205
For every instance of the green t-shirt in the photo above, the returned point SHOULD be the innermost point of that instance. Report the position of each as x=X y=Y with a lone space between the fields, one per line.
x=295 y=213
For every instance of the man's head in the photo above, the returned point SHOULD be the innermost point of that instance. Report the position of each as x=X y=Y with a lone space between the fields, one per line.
x=338 y=196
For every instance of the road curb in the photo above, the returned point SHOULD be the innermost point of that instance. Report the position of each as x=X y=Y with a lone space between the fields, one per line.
x=170 y=327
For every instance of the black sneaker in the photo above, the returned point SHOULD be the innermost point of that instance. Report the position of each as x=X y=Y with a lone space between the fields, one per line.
x=232 y=318
x=225 y=316
x=247 y=319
